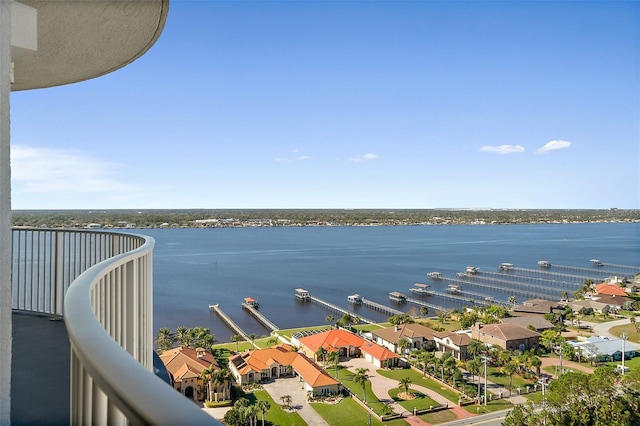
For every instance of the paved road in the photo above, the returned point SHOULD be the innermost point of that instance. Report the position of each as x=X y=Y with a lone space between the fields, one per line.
x=602 y=329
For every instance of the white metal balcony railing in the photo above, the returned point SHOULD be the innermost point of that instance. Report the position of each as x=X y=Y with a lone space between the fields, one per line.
x=101 y=283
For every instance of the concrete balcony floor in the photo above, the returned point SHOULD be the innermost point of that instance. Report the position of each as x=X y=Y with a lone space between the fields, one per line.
x=39 y=371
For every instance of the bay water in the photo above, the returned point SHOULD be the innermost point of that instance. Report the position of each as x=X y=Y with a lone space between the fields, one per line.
x=196 y=267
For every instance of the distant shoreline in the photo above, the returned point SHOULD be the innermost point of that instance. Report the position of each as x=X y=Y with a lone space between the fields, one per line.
x=153 y=219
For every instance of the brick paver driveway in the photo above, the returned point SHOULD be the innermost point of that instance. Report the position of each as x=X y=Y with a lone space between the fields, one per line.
x=293 y=387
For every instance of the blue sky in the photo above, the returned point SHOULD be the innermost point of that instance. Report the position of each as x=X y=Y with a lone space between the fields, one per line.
x=349 y=105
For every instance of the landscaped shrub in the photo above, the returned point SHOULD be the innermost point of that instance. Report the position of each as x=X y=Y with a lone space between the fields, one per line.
x=214 y=404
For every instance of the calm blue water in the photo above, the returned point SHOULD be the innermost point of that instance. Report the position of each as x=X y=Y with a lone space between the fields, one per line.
x=197 y=267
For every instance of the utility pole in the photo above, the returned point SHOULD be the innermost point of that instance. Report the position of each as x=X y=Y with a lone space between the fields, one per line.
x=623 y=337
x=484 y=358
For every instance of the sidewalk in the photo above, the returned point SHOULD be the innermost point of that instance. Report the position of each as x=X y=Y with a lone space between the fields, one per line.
x=381 y=386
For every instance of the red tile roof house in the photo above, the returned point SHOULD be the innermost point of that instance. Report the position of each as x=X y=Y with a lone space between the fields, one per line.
x=610 y=289
x=185 y=367
x=417 y=335
x=511 y=337
x=348 y=345
x=272 y=363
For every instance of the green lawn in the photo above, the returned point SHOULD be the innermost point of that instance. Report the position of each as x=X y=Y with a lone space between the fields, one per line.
x=349 y=412
x=417 y=379
x=633 y=363
x=437 y=417
x=491 y=406
x=346 y=377
x=630 y=329
x=535 y=397
x=275 y=416
x=421 y=402
x=496 y=376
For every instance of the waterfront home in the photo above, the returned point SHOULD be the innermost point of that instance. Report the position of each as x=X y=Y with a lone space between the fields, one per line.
x=347 y=345
x=511 y=337
x=615 y=302
x=593 y=304
x=600 y=349
x=535 y=322
x=279 y=361
x=418 y=336
x=455 y=343
x=536 y=306
x=185 y=367
x=610 y=289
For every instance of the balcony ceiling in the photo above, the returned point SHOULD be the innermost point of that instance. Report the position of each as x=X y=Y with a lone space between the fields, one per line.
x=83 y=39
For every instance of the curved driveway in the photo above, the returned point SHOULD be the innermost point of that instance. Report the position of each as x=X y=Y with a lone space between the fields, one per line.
x=602 y=329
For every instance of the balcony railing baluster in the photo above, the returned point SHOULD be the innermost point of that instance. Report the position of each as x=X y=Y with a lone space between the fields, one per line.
x=102 y=283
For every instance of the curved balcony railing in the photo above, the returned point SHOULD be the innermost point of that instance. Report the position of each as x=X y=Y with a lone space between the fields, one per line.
x=101 y=282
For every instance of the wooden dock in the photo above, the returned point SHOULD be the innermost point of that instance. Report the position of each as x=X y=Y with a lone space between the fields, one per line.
x=508 y=290
x=381 y=308
x=232 y=325
x=428 y=305
x=338 y=309
x=261 y=318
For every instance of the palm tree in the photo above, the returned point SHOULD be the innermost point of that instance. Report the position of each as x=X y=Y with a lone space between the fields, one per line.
x=334 y=358
x=509 y=369
x=329 y=319
x=449 y=365
x=405 y=383
x=512 y=299
x=205 y=375
x=183 y=336
x=263 y=406
x=564 y=295
x=320 y=354
x=536 y=362
x=252 y=337
x=286 y=401
x=632 y=320
x=356 y=320
x=403 y=345
x=164 y=339
x=424 y=310
x=475 y=348
x=236 y=338
x=362 y=378
x=422 y=357
x=220 y=377
x=475 y=366
x=251 y=413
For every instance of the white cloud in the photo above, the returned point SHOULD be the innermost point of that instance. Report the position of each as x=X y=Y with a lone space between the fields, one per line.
x=58 y=171
x=502 y=149
x=365 y=157
x=293 y=158
x=553 y=146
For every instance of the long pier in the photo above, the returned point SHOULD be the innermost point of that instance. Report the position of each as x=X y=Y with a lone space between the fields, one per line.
x=380 y=308
x=461 y=297
x=229 y=322
x=551 y=275
x=634 y=269
x=526 y=281
x=428 y=305
x=599 y=272
x=261 y=318
x=336 y=308
x=510 y=291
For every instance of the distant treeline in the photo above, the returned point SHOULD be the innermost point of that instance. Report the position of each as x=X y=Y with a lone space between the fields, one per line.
x=307 y=217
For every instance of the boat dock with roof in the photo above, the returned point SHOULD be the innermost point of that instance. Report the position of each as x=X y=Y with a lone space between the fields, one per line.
x=421 y=289
x=396 y=296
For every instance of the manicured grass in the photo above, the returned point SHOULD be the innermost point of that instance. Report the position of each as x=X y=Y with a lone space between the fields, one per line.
x=448 y=325
x=630 y=329
x=231 y=347
x=633 y=363
x=535 y=397
x=371 y=327
x=346 y=377
x=417 y=379
x=421 y=402
x=276 y=415
x=348 y=412
x=438 y=417
x=553 y=369
x=496 y=376
x=489 y=408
